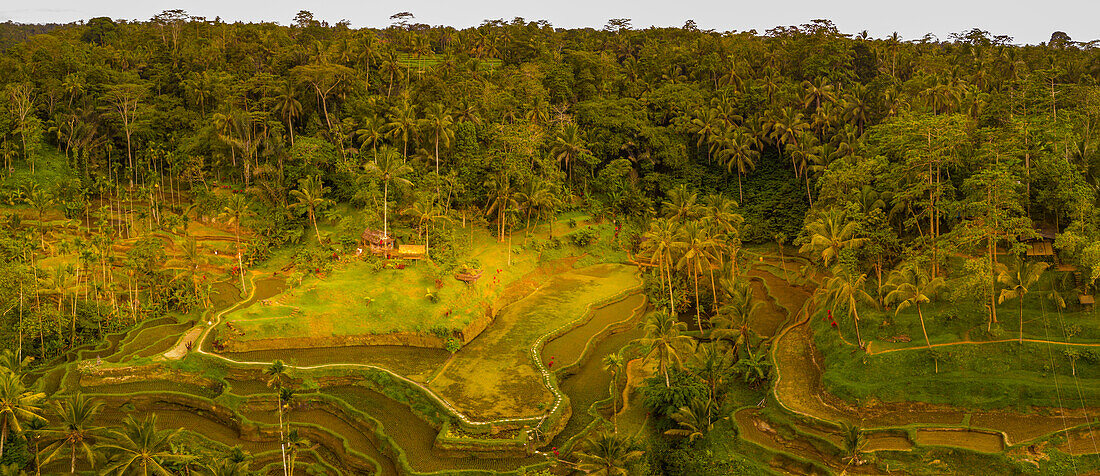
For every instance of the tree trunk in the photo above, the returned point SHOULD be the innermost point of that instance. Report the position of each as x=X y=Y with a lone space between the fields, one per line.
x=926 y=341
x=671 y=299
x=855 y=321
x=698 y=319
x=313 y=218
x=385 y=209
x=739 y=192
x=1021 y=318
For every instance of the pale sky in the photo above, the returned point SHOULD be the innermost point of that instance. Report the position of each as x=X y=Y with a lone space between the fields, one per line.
x=1030 y=21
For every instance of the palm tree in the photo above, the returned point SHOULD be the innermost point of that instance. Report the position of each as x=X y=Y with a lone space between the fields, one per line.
x=229 y=467
x=295 y=443
x=389 y=168
x=276 y=377
x=236 y=208
x=568 y=146
x=76 y=414
x=310 y=197
x=608 y=454
x=140 y=448
x=695 y=245
x=288 y=106
x=663 y=338
x=1018 y=281
x=614 y=363
x=738 y=153
x=425 y=215
x=660 y=242
x=402 y=124
x=854 y=439
x=846 y=288
x=830 y=233
x=439 y=122
x=691 y=421
x=911 y=287
x=705 y=125
x=502 y=196
x=682 y=205
x=371 y=129
x=17 y=404
x=732 y=319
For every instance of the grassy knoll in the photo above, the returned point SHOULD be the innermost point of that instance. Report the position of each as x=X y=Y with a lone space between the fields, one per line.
x=363 y=296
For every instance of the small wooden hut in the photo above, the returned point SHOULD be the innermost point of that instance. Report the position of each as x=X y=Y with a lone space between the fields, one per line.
x=377 y=242
x=411 y=252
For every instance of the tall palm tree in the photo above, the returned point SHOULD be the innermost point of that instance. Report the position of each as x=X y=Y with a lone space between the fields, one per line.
x=236 y=208
x=310 y=196
x=17 y=405
x=830 y=233
x=276 y=377
x=738 y=152
x=295 y=443
x=682 y=204
x=439 y=122
x=608 y=454
x=1018 y=281
x=502 y=197
x=732 y=320
x=664 y=339
x=911 y=287
x=76 y=430
x=402 y=124
x=568 y=146
x=389 y=168
x=845 y=288
x=614 y=363
x=287 y=104
x=660 y=243
x=371 y=129
x=695 y=246
x=705 y=125
x=426 y=214
x=139 y=448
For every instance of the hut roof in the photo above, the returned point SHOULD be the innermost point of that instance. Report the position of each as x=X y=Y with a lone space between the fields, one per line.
x=411 y=251
x=1087 y=299
x=1040 y=248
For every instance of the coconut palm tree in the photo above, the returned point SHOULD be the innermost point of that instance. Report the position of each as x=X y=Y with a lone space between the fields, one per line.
x=17 y=405
x=568 y=146
x=660 y=244
x=682 y=205
x=732 y=320
x=909 y=286
x=608 y=454
x=502 y=197
x=76 y=430
x=276 y=378
x=287 y=104
x=402 y=124
x=389 y=168
x=426 y=214
x=310 y=196
x=664 y=339
x=845 y=288
x=1018 y=281
x=439 y=122
x=237 y=207
x=139 y=448
x=695 y=247
x=614 y=363
x=295 y=443
x=737 y=152
x=371 y=129
x=830 y=233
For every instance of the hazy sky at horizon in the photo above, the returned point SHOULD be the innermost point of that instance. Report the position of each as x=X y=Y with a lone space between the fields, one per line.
x=1027 y=21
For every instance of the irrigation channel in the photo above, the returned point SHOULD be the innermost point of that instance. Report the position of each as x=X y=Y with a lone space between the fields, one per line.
x=354 y=429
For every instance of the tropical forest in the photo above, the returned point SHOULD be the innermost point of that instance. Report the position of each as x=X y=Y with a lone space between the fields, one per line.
x=252 y=248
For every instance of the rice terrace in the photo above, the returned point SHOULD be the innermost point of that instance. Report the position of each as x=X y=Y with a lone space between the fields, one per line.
x=519 y=249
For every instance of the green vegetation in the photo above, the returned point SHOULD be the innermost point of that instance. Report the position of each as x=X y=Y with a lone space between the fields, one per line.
x=899 y=278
